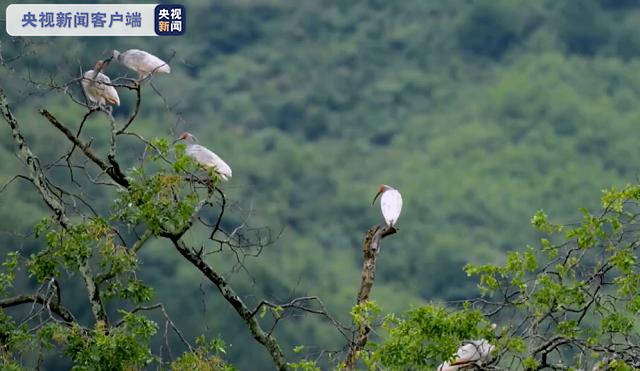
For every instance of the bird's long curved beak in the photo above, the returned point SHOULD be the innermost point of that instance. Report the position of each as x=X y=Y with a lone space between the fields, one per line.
x=376 y=197
x=176 y=140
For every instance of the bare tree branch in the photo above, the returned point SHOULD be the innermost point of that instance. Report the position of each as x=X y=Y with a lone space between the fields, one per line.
x=167 y=318
x=113 y=171
x=267 y=340
x=55 y=307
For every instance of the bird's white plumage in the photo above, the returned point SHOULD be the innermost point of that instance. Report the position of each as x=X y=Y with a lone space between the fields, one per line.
x=142 y=62
x=468 y=354
x=391 y=206
x=207 y=158
x=97 y=91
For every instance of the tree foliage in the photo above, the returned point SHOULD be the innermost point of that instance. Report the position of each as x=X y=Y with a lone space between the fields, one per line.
x=479 y=112
x=570 y=301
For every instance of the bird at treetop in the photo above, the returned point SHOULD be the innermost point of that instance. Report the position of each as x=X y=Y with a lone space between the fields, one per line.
x=94 y=84
x=390 y=204
x=469 y=356
x=205 y=157
x=142 y=62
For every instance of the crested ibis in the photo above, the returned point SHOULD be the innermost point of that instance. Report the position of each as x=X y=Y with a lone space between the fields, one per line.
x=142 y=62
x=470 y=354
x=96 y=86
x=205 y=157
x=390 y=204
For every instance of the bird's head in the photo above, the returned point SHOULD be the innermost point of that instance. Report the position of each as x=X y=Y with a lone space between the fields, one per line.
x=115 y=55
x=100 y=65
x=186 y=136
x=381 y=190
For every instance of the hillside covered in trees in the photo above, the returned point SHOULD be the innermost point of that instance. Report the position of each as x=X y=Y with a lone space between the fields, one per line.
x=479 y=112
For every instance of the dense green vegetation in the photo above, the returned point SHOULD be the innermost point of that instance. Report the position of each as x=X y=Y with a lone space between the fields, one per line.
x=480 y=113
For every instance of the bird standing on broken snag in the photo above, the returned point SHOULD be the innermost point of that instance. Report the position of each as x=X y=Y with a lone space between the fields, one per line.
x=390 y=204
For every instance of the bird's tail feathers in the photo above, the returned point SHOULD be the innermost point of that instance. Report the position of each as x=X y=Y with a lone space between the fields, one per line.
x=165 y=68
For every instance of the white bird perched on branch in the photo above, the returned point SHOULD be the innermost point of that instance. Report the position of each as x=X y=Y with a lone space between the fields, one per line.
x=97 y=88
x=469 y=355
x=142 y=62
x=205 y=157
x=390 y=204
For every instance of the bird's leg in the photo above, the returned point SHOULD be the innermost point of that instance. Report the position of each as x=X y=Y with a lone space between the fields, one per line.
x=107 y=109
x=210 y=183
x=141 y=77
x=137 y=82
x=212 y=175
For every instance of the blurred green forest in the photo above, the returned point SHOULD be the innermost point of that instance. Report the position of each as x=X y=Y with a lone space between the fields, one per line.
x=479 y=112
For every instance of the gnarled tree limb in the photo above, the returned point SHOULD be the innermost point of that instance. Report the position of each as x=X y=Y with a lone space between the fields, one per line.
x=370 y=249
x=54 y=307
x=37 y=177
x=113 y=170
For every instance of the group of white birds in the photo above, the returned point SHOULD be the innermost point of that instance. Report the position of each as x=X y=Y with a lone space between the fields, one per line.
x=101 y=91
x=98 y=87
